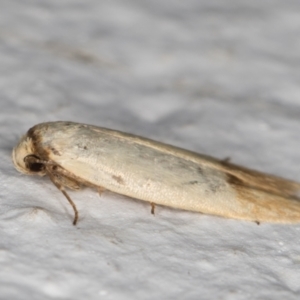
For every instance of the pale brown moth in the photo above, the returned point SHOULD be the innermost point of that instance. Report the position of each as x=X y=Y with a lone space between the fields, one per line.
x=75 y=155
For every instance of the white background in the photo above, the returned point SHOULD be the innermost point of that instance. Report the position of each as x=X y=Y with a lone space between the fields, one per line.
x=217 y=77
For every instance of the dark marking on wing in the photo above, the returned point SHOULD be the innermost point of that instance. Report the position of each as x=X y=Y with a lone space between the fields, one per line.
x=118 y=179
x=214 y=187
x=81 y=146
x=200 y=171
x=193 y=182
x=231 y=179
x=56 y=152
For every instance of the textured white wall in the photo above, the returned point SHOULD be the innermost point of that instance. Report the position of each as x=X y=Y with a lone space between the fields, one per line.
x=218 y=77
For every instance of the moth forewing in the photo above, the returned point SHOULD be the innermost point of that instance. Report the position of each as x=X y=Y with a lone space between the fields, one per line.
x=74 y=154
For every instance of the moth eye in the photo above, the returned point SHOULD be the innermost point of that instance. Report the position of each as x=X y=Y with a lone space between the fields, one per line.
x=36 y=167
x=33 y=164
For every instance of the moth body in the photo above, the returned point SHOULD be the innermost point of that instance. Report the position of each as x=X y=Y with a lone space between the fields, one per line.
x=75 y=155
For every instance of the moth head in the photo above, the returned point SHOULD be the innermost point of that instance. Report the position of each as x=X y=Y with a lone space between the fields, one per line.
x=25 y=158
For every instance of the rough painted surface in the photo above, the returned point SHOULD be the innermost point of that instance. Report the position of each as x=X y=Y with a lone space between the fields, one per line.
x=218 y=78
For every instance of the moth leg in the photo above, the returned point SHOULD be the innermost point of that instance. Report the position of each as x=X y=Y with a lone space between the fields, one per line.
x=63 y=179
x=226 y=160
x=152 y=208
x=101 y=190
x=58 y=181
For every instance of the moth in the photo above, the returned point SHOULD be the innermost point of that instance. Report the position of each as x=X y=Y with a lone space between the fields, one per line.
x=74 y=155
